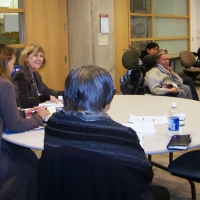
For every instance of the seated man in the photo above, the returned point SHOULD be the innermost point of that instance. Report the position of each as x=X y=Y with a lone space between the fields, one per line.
x=162 y=80
x=84 y=124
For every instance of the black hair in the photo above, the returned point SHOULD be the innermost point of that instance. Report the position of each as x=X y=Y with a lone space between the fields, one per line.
x=150 y=45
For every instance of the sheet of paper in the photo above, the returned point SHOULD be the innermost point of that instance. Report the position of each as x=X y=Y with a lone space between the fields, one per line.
x=104 y=23
x=140 y=128
x=141 y=139
x=102 y=39
x=148 y=119
x=51 y=108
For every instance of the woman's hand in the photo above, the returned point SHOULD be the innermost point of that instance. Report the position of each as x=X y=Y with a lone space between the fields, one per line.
x=170 y=70
x=43 y=112
x=31 y=111
x=174 y=90
x=53 y=99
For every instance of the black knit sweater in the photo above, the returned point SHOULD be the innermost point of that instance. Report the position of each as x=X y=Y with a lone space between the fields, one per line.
x=99 y=133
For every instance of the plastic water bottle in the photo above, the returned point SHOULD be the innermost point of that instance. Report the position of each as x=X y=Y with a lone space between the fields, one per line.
x=173 y=120
x=59 y=105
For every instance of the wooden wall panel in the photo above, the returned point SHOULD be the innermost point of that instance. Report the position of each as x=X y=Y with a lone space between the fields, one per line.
x=121 y=18
x=44 y=24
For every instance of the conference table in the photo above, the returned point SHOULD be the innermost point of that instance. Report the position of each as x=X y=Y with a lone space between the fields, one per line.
x=140 y=105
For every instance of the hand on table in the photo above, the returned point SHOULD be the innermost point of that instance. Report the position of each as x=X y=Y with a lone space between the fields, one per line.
x=31 y=111
x=53 y=99
x=43 y=112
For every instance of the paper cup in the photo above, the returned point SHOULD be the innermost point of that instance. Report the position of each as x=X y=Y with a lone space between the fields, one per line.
x=182 y=119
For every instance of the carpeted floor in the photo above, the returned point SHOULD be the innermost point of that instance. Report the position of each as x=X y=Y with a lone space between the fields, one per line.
x=179 y=188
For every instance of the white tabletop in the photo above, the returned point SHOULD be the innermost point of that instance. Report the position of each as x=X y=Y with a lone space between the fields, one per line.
x=29 y=139
x=141 y=105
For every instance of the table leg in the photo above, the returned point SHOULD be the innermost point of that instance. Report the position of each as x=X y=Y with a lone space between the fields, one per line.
x=159 y=165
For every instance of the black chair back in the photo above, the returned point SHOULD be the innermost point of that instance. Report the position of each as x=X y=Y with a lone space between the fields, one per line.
x=72 y=173
x=130 y=59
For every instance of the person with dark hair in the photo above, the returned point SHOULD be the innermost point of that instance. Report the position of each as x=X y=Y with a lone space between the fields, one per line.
x=151 y=49
x=18 y=165
x=161 y=79
x=30 y=88
x=84 y=124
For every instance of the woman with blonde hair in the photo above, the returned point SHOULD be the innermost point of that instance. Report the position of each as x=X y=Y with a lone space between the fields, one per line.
x=30 y=88
x=18 y=165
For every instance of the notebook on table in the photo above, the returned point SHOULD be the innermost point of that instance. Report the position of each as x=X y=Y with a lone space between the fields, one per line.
x=178 y=142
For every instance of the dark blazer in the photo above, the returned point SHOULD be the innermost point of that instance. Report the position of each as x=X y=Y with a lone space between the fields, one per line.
x=27 y=91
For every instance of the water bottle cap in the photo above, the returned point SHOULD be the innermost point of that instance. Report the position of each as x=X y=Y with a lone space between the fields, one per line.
x=174 y=104
x=60 y=98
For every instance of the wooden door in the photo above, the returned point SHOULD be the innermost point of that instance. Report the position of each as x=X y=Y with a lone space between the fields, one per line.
x=46 y=24
x=121 y=23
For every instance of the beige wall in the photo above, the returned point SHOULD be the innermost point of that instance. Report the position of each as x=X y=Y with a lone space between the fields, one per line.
x=83 y=29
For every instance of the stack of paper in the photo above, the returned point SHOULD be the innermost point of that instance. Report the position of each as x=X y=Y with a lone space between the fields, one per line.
x=145 y=124
x=51 y=108
x=148 y=119
x=141 y=128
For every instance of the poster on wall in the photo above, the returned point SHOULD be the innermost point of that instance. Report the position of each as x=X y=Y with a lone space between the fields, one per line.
x=139 y=28
x=102 y=39
x=104 y=23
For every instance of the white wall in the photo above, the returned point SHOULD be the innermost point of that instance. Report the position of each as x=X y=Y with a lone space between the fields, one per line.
x=193 y=29
x=197 y=24
x=84 y=26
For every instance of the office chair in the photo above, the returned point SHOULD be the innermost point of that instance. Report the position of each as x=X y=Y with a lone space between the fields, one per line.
x=197 y=54
x=187 y=166
x=188 y=61
x=72 y=173
x=132 y=81
x=130 y=59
